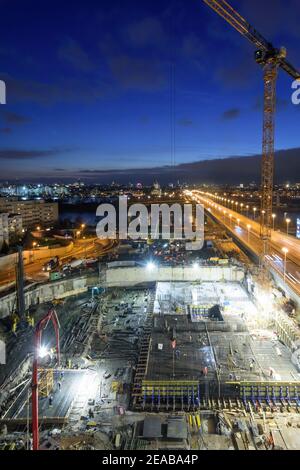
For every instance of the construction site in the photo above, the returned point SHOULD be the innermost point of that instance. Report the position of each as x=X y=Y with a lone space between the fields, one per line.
x=184 y=363
x=168 y=350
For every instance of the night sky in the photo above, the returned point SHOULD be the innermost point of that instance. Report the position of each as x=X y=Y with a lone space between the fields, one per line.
x=99 y=86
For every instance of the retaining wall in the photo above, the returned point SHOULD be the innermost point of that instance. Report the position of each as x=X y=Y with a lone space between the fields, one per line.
x=131 y=276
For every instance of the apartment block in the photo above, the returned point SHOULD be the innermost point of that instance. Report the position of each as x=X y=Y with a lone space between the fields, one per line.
x=35 y=211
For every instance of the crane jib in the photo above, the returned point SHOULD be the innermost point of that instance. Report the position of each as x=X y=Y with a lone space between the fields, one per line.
x=232 y=17
x=271 y=59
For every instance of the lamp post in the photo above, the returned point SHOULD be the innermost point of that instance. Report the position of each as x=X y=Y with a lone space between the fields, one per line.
x=249 y=228
x=287 y=225
x=263 y=217
x=238 y=222
x=285 y=251
x=254 y=211
x=34 y=244
x=273 y=217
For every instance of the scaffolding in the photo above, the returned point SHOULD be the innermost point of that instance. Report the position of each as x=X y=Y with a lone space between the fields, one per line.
x=269 y=392
x=46 y=382
x=171 y=394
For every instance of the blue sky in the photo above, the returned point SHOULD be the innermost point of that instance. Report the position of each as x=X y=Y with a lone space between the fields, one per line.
x=110 y=85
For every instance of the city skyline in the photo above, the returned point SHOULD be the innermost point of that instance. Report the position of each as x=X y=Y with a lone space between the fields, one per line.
x=174 y=83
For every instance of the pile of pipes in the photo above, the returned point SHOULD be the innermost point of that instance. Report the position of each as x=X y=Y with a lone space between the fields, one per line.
x=78 y=335
x=121 y=345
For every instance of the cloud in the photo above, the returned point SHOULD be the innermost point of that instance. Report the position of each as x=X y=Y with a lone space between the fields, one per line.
x=63 y=91
x=232 y=113
x=230 y=170
x=22 y=154
x=185 y=122
x=136 y=73
x=14 y=118
x=72 y=53
x=146 y=32
x=144 y=120
x=284 y=18
x=6 y=130
x=193 y=50
x=239 y=73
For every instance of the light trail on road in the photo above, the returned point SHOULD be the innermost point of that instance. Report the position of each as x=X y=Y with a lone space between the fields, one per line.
x=33 y=271
x=248 y=232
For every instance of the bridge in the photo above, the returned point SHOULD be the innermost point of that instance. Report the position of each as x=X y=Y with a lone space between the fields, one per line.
x=284 y=250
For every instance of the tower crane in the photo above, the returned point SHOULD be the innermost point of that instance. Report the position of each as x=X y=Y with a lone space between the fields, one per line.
x=271 y=59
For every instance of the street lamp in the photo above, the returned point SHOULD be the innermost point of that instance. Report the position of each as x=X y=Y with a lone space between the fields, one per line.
x=273 y=217
x=287 y=225
x=238 y=222
x=263 y=217
x=249 y=228
x=254 y=210
x=285 y=251
x=247 y=207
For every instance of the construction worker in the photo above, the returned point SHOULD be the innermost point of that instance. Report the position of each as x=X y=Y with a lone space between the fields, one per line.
x=14 y=326
x=30 y=320
x=270 y=441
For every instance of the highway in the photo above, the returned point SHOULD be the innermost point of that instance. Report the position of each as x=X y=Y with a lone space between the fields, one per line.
x=248 y=232
x=33 y=271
